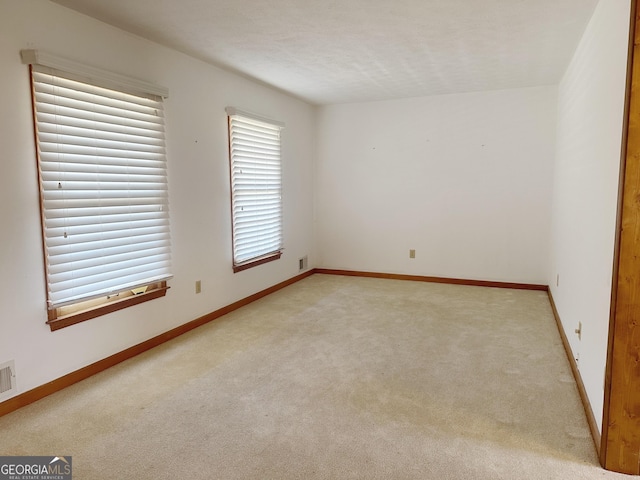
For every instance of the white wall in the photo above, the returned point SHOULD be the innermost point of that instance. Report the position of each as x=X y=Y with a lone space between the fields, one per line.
x=198 y=183
x=464 y=179
x=590 y=115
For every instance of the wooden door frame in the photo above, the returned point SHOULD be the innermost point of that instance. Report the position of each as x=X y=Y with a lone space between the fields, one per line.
x=620 y=441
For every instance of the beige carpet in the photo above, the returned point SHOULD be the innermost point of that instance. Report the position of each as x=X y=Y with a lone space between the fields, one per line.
x=333 y=378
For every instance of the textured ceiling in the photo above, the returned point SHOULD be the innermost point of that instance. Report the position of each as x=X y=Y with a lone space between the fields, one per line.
x=336 y=51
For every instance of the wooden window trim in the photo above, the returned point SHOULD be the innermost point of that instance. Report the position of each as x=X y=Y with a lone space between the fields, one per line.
x=56 y=321
x=256 y=261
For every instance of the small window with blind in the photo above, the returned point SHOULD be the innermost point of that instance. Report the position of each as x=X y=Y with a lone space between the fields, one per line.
x=256 y=189
x=103 y=188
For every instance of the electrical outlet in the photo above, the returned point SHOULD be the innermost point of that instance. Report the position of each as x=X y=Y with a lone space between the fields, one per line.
x=412 y=253
x=558 y=280
x=198 y=286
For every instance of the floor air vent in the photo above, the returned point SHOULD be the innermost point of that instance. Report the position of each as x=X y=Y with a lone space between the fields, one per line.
x=7 y=380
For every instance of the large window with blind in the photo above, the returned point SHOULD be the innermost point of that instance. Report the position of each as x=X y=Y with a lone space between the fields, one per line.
x=256 y=188
x=103 y=188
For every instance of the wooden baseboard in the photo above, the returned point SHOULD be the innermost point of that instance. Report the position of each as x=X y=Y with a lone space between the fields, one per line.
x=58 y=384
x=591 y=419
x=420 y=278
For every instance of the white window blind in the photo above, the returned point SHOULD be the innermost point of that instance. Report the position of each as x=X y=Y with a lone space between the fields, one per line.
x=103 y=179
x=256 y=186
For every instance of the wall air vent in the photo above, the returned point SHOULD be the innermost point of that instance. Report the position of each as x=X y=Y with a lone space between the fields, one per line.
x=7 y=380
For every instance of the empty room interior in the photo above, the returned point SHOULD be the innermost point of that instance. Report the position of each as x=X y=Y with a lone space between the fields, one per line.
x=450 y=293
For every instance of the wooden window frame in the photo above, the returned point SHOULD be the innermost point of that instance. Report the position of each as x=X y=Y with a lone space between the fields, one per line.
x=256 y=261
x=271 y=256
x=59 y=317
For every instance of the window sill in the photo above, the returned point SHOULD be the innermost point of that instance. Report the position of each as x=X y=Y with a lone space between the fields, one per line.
x=56 y=321
x=257 y=261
